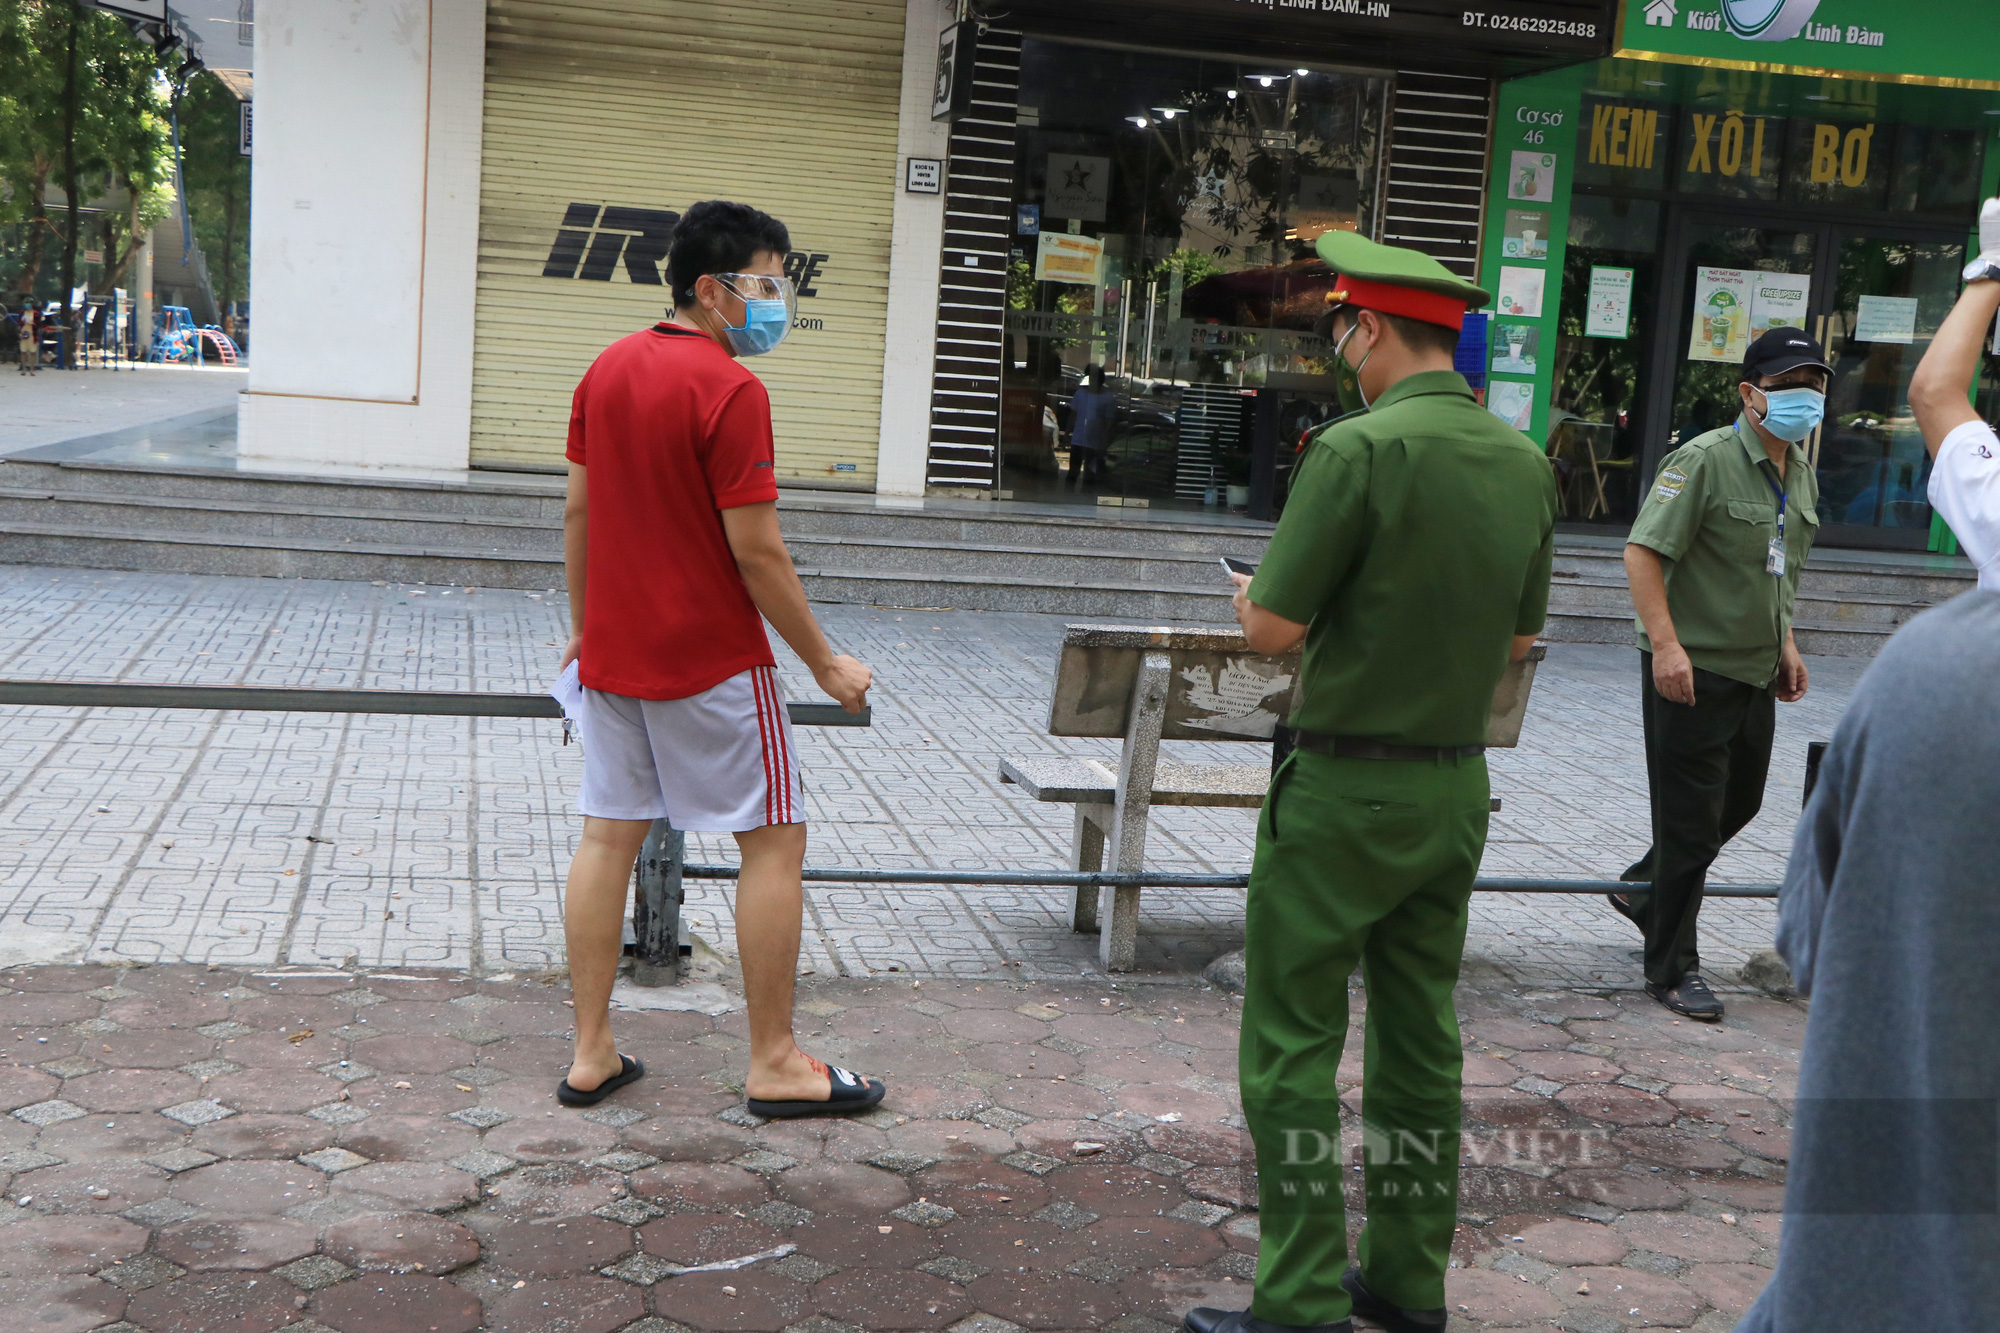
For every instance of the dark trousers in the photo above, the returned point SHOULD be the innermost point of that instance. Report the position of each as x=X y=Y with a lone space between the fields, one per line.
x=1088 y=462
x=1705 y=770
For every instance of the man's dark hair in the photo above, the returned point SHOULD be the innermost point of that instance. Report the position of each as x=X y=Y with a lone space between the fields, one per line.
x=720 y=237
x=1416 y=334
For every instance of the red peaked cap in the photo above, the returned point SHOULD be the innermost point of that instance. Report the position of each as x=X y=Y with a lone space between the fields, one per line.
x=1391 y=299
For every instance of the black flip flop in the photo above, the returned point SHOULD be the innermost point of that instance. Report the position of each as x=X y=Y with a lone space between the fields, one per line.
x=631 y=1073
x=847 y=1092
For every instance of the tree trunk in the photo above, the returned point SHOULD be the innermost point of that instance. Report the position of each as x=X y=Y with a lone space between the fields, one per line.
x=38 y=234
x=114 y=273
x=70 y=184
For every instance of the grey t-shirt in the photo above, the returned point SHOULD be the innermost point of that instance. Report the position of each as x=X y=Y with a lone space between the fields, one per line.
x=1890 y=919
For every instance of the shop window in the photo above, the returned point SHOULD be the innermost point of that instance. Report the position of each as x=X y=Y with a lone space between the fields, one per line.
x=1839 y=163
x=1937 y=170
x=1594 y=435
x=1163 y=272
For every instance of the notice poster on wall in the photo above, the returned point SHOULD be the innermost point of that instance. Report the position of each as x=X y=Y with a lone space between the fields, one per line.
x=1607 y=311
x=1886 y=319
x=1513 y=401
x=1520 y=293
x=1779 y=302
x=1061 y=257
x=1721 y=326
x=1514 y=348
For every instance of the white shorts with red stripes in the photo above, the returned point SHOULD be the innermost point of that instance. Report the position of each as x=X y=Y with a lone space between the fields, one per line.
x=721 y=761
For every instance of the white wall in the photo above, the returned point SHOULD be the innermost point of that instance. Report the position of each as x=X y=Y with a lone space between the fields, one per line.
x=915 y=247
x=364 y=232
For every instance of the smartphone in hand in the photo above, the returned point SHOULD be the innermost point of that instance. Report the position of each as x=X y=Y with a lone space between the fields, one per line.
x=1235 y=566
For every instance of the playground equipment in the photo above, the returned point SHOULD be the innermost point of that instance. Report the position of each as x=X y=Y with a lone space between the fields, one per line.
x=178 y=339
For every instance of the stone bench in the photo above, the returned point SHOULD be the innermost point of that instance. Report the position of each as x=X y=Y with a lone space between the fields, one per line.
x=1143 y=686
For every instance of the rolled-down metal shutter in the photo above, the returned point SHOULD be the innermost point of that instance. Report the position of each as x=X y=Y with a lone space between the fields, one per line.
x=1434 y=196
x=604 y=120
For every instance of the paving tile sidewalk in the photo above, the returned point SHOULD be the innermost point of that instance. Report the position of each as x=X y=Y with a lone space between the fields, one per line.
x=190 y=1148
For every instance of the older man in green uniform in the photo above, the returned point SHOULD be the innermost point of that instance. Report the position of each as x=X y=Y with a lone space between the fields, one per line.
x=1413 y=561
x=1713 y=561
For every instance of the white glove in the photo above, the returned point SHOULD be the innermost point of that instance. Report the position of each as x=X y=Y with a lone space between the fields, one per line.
x=1989 y=230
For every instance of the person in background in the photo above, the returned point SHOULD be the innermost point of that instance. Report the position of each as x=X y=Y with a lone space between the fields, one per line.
x=675 y=562
x=31 y=338
x=1091 y=409
x=1713 y=561
x=1965 y=482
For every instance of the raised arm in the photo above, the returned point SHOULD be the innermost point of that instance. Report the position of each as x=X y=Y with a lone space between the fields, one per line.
x=766 y=566
x=1941 y=389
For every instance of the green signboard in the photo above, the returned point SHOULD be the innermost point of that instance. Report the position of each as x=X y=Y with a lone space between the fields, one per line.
x=1949 y=42
x=1534 y=154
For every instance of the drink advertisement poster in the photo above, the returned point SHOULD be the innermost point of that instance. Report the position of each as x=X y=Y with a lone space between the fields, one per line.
x=1721 y=325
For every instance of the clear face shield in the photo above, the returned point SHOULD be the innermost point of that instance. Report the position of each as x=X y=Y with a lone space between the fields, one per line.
x=769 y=305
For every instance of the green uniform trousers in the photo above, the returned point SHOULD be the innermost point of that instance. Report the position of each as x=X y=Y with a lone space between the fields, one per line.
x=1705 y=770
x=1366 y=862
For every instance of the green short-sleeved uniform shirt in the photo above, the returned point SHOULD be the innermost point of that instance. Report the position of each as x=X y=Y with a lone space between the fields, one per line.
x=1416 y=544
x=1712 y=513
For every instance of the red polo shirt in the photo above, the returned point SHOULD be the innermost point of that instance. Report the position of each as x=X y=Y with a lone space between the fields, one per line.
x=673 y=430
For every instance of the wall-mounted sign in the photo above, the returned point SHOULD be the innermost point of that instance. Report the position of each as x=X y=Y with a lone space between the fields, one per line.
x=1513 y=401
x=1028 y=220
x=1078 y=187
x=1532 y=177
x=958 y=50
x=1061 y=257
x=243 y=128
x=1912 y=43
x=924 y=175
x=1526 y=235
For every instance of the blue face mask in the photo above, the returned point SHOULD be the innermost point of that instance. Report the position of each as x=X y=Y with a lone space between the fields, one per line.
x=1792 y=414
x=765 y=324
x=768 y=303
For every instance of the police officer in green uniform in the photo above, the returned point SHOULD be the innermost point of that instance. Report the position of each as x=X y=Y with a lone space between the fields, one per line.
x=1413 y=561
x=1714 y=560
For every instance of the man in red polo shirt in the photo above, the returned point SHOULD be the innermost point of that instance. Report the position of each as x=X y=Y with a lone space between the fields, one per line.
x=670 y=534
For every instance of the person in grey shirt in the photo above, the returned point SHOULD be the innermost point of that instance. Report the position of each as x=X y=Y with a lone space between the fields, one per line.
x=1890 y=920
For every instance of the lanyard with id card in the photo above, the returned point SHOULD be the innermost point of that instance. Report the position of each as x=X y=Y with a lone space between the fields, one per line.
x=1774 y=557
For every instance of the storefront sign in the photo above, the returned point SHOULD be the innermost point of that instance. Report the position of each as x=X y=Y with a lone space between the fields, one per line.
x=1078 y=187
x=1580 y=27
x=1932 y=41
x=1623 y=136
x=1886 y=319
x=1607 y=313
x=1061 y=257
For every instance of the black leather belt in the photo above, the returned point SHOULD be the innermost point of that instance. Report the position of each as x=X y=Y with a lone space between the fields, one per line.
x=1360 y=747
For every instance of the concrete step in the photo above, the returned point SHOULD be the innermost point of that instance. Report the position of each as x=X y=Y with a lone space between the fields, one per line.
x=1813 y=606
x=911 y=558
x=273 y=557
x=112 y=511
x=1814 y=637
x=510 y=495
x=889 y=588
x=962 y=525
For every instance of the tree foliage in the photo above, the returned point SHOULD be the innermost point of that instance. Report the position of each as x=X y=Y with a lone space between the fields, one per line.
x=116 y=129
x=218 y=184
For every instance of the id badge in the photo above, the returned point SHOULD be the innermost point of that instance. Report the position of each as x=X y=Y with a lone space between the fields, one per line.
x=1774 y=559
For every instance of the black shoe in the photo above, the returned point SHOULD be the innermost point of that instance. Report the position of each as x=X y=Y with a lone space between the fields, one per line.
x=1629 y=907
x=1689 y=996
x=1204 y=1320
x=1392 y=1317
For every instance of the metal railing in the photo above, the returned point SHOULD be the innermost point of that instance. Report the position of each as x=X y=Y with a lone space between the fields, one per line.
x=660 y=940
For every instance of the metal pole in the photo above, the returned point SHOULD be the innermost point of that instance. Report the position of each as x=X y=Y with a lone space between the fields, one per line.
x=656 y=907
x=1157 y=880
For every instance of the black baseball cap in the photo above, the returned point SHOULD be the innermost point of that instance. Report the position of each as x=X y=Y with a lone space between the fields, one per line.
x=1780 y=350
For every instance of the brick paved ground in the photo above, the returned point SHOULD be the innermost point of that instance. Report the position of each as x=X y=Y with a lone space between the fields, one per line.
x=259 y=839
x=193 y=1149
